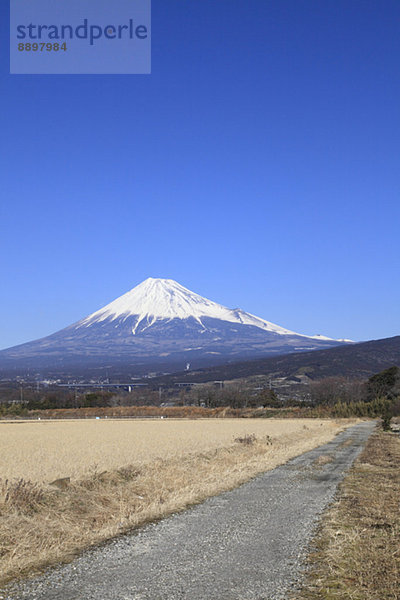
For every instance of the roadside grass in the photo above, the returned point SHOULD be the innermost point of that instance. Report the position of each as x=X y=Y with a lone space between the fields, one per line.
x=43 y=524
x=357 y=548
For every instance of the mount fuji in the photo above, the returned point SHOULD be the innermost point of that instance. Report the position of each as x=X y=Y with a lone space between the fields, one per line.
x=161 y=324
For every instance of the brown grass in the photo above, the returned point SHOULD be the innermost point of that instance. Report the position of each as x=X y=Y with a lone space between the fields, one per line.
x=357 y=549
x=47 y=450
x=325 y=459
x=179 y=412
x=42 y=524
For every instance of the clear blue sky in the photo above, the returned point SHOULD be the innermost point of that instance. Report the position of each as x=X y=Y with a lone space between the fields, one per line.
x=259 y=165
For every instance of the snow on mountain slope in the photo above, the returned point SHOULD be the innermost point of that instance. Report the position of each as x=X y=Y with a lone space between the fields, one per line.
x=165 y=299
x=161 y=323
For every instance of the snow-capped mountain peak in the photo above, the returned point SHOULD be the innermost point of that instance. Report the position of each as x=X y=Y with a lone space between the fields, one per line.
x=165 y=325
x=156 y=299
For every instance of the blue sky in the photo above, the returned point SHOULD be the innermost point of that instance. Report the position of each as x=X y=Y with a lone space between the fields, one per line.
x=257 y=165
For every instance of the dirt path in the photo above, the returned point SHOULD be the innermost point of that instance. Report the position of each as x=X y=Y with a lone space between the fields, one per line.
x=247 y=544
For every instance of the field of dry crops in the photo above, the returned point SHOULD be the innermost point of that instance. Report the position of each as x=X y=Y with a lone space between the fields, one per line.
x=125 y=473
x=46 y=450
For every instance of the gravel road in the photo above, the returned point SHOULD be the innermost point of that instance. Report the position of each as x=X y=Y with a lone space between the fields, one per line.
x=245 y=544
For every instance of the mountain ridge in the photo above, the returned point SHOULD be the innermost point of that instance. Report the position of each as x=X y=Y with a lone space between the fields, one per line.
x=356 y=361
x=160 y=320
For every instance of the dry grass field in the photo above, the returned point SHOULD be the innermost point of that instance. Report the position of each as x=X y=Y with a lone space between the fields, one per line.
x=125 y=473
x=45 y=450
x=357 y=549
